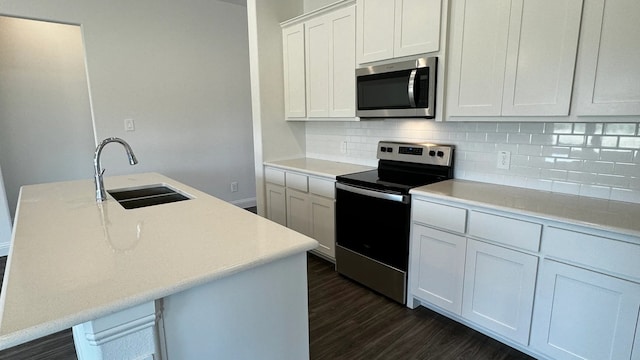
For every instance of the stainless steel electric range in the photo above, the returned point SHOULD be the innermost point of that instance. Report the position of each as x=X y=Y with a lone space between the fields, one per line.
x=373 y=214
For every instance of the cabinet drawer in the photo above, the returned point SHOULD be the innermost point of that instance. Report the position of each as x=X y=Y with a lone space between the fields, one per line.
x=598 y=252
x=504 y=230
x=274 y=176
x=322 y=187
x=438 y=215
x=297 y=181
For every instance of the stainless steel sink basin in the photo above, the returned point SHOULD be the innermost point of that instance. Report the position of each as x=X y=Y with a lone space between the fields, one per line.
x=133 y=198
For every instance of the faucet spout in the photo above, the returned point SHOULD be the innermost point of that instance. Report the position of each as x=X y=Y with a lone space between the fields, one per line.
x=101 y=195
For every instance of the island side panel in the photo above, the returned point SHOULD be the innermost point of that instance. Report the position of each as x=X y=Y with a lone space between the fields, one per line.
x=261 y=313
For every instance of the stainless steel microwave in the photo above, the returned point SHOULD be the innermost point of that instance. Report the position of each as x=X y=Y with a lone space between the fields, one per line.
x=403 y=89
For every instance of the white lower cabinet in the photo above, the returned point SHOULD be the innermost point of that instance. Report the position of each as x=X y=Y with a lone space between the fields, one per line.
x=437 y=267
x=276 y=203
x=499 y=284
x=322 y=224
x=582 y=314
x=303 y=203
x=298 y=211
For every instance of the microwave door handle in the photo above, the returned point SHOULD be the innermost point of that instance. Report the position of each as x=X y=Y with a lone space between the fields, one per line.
x=412 y=87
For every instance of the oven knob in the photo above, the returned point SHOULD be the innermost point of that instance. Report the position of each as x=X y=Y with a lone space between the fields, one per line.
x=440 y=154
x=432 y=153
x=389 y=149
x=383 y=149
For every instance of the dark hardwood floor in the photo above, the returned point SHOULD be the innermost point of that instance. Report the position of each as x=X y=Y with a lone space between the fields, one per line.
x=346 y=321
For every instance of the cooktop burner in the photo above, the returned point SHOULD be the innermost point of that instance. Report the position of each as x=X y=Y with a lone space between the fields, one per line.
x=403 y=166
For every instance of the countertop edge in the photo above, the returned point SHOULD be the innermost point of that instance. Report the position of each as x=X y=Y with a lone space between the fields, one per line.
x=536 y=214
x=25 y=335
x=356 y=167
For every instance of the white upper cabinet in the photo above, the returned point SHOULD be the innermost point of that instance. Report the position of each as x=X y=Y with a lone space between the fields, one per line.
x=388 y=29
x=320 y=69
x=294 y=73
x=609 y=73
x=512 y=57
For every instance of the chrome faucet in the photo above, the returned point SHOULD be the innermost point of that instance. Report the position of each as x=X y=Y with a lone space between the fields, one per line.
x=101 y=195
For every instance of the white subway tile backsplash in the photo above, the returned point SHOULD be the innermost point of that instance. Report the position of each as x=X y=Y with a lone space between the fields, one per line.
x=535 y=150
x=559 y=128
x=508 y=127
x=613 y=180
x=602 y=141
x=556 y=151
x=569 y=164
x=584 y=153
x=566 y=187
x=591 y=159
x=544 y=139
x=616 y=155
x=595 y=191
x=629 y=142
x=517 y=138
x=599 y=167
x=620 y=129
x=571 y=140
x=554 y=174
x=532 y=128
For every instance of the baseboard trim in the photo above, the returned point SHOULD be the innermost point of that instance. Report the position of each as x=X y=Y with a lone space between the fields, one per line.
x=4 y=248
x=245 y=203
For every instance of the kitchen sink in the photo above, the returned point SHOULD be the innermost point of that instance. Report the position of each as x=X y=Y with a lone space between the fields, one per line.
x=133 y=198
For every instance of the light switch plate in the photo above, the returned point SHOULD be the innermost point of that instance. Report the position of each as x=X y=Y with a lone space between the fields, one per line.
x=129 y=125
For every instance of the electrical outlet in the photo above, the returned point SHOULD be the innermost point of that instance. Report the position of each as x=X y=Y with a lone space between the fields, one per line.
x=234 y=186
x=129 y=125
x=343 y=147
x=504 y=159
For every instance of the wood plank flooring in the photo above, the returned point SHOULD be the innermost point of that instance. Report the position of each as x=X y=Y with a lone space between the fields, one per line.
x=346 y=321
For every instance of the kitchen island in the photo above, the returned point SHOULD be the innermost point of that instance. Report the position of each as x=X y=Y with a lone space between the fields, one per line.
x=195 y=277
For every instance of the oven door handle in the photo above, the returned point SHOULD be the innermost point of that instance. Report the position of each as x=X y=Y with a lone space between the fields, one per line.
x=373 y=193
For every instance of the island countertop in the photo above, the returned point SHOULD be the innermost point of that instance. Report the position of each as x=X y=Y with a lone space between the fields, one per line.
x=73 y=260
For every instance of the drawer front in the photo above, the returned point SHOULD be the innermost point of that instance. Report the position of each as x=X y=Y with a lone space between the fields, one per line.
x=274 y=176
x=504 y=230
x=438 y=215
x=297 y=181
x=322 y=187
x=598 y=252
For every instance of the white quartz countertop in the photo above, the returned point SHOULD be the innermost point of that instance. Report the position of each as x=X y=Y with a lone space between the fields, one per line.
x=72 y=260
x=616 y=216
x=323 y=168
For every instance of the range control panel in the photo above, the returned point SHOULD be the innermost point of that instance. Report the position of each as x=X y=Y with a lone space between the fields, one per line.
x=421 y=153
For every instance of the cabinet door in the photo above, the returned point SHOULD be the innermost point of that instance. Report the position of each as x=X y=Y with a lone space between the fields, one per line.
x=581 y=314
x=541 y=56
x=342 y=63
x=417 y=27
x=609 y=77
x=322 y=224
x=298 y=211
x=437 y=267
x=375 y=30
x=498 y=289
x=294 y=74
x=479 y=31
x=276 y=204
x=317 y=67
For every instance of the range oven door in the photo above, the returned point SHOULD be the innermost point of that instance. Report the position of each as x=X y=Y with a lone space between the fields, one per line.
x=372 y=238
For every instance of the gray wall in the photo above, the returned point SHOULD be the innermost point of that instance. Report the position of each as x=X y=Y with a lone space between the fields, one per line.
x=45 y=120
x=180 y=70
